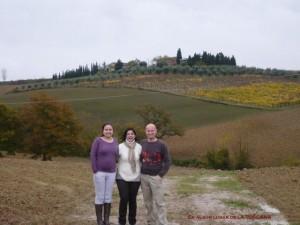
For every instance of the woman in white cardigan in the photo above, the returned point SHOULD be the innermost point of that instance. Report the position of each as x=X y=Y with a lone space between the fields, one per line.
x=128 y=176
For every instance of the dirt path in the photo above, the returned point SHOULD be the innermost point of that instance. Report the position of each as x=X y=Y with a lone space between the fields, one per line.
x=192 y=198
x=223 y=196
x=62 y=192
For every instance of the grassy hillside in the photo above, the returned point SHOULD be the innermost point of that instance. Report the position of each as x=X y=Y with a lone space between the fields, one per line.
x=118 y=105
x=272 y=138
x=247 y=90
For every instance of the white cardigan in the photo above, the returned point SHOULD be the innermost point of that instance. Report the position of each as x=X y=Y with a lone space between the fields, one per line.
x=124 y=168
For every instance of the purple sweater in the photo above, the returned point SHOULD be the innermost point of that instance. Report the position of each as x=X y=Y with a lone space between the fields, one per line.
x=104 y=155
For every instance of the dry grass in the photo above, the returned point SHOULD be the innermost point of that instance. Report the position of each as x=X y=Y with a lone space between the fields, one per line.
x=61 y=192
x=6 y=88
x=272 y=138
x=279 y=186
x=36 y=192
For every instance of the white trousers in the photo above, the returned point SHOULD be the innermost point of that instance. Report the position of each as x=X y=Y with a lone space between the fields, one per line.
x=104 y=183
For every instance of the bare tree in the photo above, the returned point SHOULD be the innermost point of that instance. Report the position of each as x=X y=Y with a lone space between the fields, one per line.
x=3 y=72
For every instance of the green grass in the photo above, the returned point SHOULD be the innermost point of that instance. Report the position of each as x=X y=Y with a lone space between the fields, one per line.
x=188 y=189
x=230 y=184
x=190 y=184
x=187 y=111
x=237 y=203
x=193 y=184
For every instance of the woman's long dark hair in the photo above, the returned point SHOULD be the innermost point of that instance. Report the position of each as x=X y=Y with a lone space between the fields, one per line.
x=125 y=133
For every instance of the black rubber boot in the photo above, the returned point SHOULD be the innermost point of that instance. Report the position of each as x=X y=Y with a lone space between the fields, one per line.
x=99 y=214
x=107 y=207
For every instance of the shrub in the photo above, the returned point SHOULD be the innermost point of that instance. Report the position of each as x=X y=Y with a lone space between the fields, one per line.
x=158 y=70
x=218 y=159
x=183 y=69
x=166 y=69
x=242 y=159
x=199 y=71
x=174 y=69
x=291 y=162
x=188 y=163
x=9 y=130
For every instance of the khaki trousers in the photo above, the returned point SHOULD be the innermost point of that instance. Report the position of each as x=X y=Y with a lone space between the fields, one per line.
x=153 y=193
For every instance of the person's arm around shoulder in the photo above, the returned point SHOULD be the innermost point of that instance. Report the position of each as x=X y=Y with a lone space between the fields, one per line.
x=141 y=155
x=119 y=151
x=138 y=148
x=166 y=159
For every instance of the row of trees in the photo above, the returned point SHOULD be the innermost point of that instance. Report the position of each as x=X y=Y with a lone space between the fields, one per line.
x=161 y=61
x=210 y=59
x=205 y=59
x=214 y=70
x=46 y=127
x=80 y=71
x=96 y=68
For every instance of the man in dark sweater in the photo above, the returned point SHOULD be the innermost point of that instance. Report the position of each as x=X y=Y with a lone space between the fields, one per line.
x=155 y=164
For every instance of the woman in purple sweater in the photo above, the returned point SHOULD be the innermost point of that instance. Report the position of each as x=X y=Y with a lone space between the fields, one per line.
x=104 y=153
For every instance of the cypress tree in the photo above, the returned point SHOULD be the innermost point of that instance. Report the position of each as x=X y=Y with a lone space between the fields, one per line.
x=178 y=56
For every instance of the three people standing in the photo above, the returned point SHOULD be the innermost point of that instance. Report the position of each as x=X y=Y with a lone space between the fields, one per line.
x=144 y=165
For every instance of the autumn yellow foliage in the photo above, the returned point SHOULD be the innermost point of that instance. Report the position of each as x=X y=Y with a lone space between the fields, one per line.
x=270 y=94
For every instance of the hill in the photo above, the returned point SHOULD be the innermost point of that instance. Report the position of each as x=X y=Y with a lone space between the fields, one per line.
x=272 y=138
x=94 y=105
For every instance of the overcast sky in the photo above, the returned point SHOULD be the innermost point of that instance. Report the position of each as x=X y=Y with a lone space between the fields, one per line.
x=42 y=37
